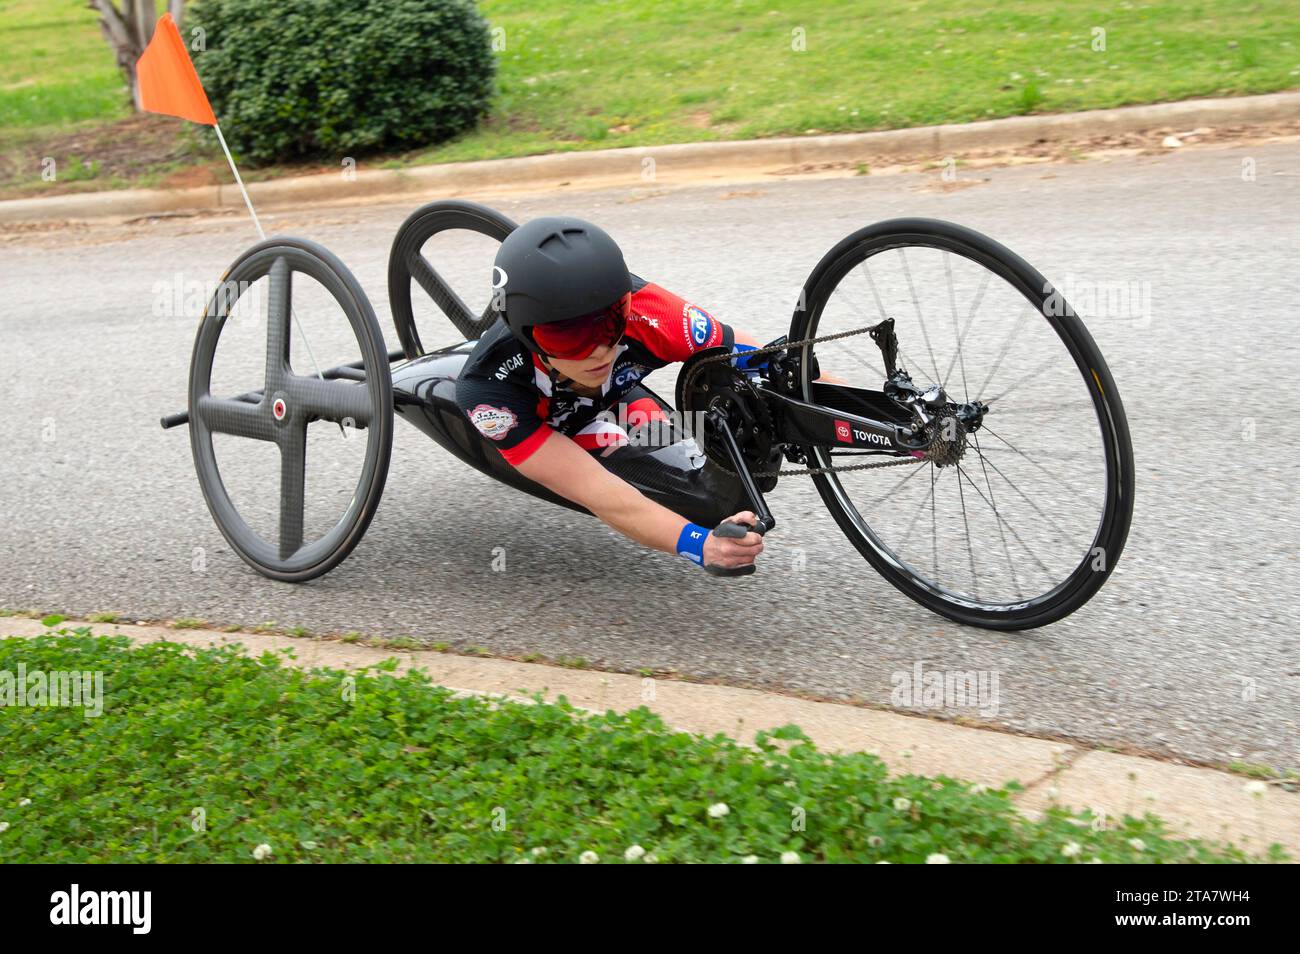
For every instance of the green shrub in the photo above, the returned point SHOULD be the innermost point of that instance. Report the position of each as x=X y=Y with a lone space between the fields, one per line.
x=301 y=78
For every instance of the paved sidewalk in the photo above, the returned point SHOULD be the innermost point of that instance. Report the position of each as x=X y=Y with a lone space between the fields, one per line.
x=666 y=165
x=1195 y=801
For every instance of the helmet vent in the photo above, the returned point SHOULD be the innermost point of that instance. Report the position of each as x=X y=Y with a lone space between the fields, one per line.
x=564 y=237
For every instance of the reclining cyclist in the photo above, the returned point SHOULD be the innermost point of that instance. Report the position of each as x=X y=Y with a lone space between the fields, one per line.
x=550 y=381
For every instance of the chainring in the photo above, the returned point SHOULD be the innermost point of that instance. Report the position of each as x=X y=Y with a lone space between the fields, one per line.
x=706 y=385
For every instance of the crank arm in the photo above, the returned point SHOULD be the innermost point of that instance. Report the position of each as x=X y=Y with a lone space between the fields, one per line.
x=765 y=520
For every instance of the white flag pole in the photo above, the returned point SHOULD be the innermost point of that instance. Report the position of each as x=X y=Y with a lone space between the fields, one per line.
x=240 y=182
x=256 y=222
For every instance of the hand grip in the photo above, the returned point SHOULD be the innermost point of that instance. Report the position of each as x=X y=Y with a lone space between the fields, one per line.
x=733 y=531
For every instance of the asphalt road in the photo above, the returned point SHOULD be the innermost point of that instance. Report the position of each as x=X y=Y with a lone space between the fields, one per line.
x=1190 y=649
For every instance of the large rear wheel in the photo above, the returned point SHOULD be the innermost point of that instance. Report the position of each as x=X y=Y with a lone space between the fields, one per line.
x=412 y=260
x=263 y=518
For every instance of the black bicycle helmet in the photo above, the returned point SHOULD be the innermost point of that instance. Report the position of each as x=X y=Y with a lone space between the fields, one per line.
x=553 y=269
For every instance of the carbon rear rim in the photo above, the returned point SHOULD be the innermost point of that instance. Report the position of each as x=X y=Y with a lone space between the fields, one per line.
x=409 y=263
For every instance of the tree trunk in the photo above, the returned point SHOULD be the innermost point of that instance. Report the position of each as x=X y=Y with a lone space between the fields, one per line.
x=128 y=31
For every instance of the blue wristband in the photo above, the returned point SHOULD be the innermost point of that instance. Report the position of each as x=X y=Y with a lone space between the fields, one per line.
x=691 y=543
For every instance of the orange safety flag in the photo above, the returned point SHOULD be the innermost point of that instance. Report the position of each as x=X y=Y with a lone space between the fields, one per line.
x=168 y=82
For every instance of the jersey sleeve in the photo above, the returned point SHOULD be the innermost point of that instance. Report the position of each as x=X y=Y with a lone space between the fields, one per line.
x=671 y=328
x=506 y=414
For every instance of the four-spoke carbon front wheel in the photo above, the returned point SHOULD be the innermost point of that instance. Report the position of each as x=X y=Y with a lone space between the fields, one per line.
x=354 y=400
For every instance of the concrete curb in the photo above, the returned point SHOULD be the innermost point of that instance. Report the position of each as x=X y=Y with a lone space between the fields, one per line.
x=1195 y=801
x=671 y=163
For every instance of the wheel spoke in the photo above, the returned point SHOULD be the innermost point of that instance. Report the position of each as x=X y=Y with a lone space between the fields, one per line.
x=1049 y=521
x=925 y=333
x=1011 y=566
x=442 y=294
x=1028 y=549
x=890 y=492
x=229 y=416
x=278 y=306
x=970 y=547
x=921 y=506
x=333 y=400
x=952 y=300
x=1049 y=363
x=1006 y=346
x=293 y=467
x=1056 y=477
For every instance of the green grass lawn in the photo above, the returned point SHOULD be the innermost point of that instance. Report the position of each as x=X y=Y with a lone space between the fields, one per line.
x=55 y=67
x=610 y=73
x=205 y=755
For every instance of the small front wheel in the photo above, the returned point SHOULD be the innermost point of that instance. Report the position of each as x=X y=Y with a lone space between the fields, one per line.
x=1017 y=508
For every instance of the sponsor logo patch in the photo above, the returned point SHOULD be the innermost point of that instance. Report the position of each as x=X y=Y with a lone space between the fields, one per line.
x=493 y=422
x=700 y=324
x=843 y=432
x=628 y=375
x=511 y=363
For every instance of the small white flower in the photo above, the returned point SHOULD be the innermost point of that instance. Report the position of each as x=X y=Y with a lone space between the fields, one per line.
x=539 y=851
x=875 y=841
x=262 y=852
x=634 y=853
x=525 y=860
x=884 y=862
x=902 y=804
x=749 y=860
x=1137 y=844
x=23 y=803
x=1070 y=849
x=978 y=788
x=588 y=858
x=719 y=810
x=938 y=858
x=1256 y=788
x=650 y=859
x=4 y=827
x=790 y=858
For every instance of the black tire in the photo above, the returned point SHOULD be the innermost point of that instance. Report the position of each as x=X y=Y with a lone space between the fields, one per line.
x=1112 y=530
x=368 y=406
x=406 y=263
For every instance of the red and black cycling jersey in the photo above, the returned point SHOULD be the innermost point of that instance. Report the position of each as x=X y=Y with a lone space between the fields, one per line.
x=513 y=400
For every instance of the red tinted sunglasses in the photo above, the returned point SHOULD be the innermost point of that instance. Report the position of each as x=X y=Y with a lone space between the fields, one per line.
x=576 y=338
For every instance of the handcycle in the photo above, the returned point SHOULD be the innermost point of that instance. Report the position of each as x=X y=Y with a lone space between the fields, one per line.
x=986 y=470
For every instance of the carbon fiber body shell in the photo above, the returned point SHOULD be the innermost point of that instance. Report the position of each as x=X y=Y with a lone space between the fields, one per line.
x=672 y=472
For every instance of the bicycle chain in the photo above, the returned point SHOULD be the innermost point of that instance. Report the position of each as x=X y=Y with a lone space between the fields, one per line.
x=776 y=349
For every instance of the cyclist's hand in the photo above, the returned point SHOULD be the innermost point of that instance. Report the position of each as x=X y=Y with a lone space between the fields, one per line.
x=732 y=553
